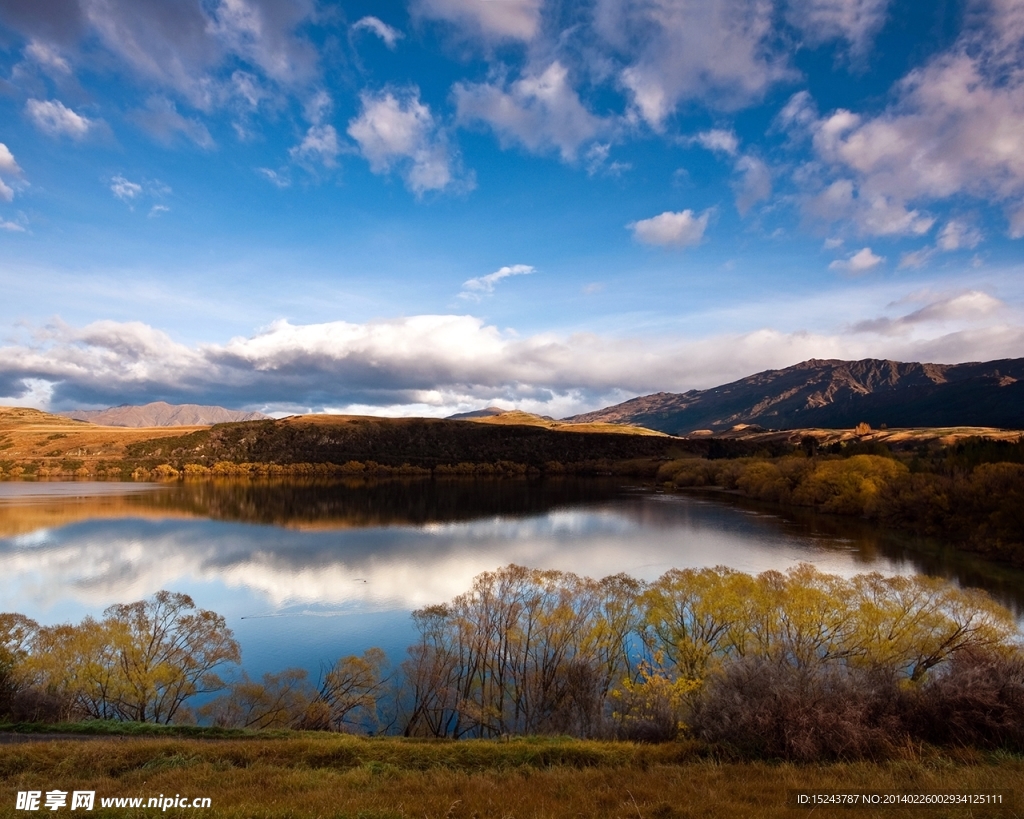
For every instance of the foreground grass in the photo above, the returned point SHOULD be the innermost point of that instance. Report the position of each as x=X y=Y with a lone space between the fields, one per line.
x=317 y=775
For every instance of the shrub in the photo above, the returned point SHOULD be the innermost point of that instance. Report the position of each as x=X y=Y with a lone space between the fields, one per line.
x=769 y=709
x=978 y=701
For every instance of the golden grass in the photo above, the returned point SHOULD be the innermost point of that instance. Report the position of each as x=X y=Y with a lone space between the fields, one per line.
x=29 y=434
x=946 y=436
x=335 y=776
x=520 y=418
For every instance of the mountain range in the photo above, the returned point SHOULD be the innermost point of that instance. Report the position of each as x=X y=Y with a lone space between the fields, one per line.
x=838 y=394
x=162 y=414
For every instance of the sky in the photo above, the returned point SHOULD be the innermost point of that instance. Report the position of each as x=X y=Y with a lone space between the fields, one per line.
x=421 y=207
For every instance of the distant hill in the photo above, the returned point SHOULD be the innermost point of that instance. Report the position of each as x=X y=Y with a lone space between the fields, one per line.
x=419 y=442
x=838 y=394
x=487 y=412
x=162 y=414
x=528 y=419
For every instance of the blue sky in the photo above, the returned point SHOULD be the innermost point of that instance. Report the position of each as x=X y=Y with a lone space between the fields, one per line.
x=429 y=206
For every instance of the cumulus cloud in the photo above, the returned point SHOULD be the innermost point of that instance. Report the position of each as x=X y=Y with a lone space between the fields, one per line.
x=860 y=262
x=446 y=362
x=474 y=289
x=125 y=190
x=131 y=192
x=487 y=19
x=681 y=229
x=952 y=130
x=55 y=119
x=389 y=35
x=10 y=169
x=871 y=214
x=717 y=51
x=394 y=130
x=856 y=21
x=718 y=140
x=320 y=144
x=540 y=111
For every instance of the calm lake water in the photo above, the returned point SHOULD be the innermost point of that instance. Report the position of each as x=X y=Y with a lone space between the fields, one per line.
x=307 y=572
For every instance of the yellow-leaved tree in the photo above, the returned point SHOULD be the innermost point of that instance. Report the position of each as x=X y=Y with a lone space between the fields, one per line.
x=140 y=663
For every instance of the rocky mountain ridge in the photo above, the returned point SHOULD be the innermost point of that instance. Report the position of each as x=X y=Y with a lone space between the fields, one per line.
x=832 y=393
x=162 y=414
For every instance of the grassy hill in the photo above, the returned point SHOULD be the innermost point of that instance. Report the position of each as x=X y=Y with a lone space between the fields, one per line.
x=418 y=442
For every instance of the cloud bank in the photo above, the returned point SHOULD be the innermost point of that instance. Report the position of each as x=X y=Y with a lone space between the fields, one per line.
x=439 y=364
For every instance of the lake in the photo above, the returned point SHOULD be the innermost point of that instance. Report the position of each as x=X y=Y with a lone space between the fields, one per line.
x=305 y=572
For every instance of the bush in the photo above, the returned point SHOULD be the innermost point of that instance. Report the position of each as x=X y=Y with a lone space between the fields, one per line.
x=769 y=709
x=978 y=701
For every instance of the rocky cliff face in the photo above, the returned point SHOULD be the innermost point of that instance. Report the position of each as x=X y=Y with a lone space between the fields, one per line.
x=833 y=393
x=162 y=414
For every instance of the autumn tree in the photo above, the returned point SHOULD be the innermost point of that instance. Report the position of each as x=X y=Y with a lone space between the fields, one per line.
x=140 y=663
x=16 y=633
x=167 y=651
x=274 y=701
x=348 y=694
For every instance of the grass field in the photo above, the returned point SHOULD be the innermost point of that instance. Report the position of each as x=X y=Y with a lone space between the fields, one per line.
x=317 y=775
x=29 y=434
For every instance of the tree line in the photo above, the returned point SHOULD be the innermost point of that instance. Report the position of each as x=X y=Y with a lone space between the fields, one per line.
x=798 y=664
x=971 y=495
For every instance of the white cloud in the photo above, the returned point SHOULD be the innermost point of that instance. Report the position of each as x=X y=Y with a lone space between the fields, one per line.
x=754 y=184
x=8 y=168
x=320 y=144
x=872 y=215
x=860 y=262
x=916 y=258
x=125 y=190
x=160 y=118
x=278 y=179
x=396 y=130
x=318 y=107
x=130 y=192
x=958 y=234
x=754 y=180
x=487 y=19
x=953 y=130
x=717 y=51
x=53 y=118
x=156 y=210
x=389 y=35
x=540 y=111
x=1015 y=217
x=718 y=140
x=956 y=308
x=13 y=227
x=482 y=285
x=680 y=229
x=47 y=56
x=263 y=32
x=856 y=21
x=7 y=164
x=449 y=362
